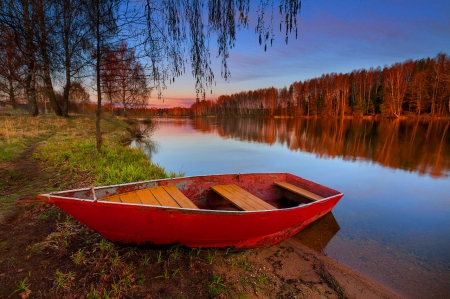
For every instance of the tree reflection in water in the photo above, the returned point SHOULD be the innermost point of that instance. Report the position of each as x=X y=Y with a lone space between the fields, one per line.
x=147 y=145
x=415 y=145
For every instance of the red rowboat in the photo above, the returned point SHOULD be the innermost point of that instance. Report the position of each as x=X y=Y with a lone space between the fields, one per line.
x=230 y=210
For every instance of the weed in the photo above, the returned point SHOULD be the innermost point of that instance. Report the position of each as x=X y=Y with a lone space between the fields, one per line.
x=36 y=248
x=211 y=255
x=216 y=286
x=141 y=279
x=245 y=281
x=106 y=294
x=115 y=286
x=63 y=280
x=79 y=257
x=191 y=254
x=194 y=251
x=165 y=275
x=115 y=259
x=106 y=245
x=261 y=279
x=175 y=272
x=175 y=252
x=234 y=262
x=145 y=261
x=158 y=257
x=245 y=264
x=67 y=222
x=22 y=287
x=131 y=251
x=43 y=217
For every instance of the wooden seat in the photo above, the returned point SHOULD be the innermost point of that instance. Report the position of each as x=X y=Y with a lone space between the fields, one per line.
x=298 y=190
x=167 y=196
x=242 y=199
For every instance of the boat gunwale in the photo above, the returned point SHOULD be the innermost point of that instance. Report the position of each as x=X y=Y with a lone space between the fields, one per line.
x=167 y=208
x=186 y=177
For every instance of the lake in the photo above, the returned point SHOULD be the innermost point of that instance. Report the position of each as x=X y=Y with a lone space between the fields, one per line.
x=393 y=223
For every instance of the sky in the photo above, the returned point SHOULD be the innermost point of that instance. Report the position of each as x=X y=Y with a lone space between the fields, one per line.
x=334 y=36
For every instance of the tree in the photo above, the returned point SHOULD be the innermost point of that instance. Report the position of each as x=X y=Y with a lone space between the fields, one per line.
x=123 y=78
x=102 y=20
x=72 y=32
x=79 y=94
x=11 y=67
x=132 y=82
x=39 y=28
x=177 y=32
x=20 y=19
x=109 y=74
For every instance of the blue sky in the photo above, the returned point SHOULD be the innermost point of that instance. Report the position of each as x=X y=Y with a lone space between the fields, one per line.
x=333 y=36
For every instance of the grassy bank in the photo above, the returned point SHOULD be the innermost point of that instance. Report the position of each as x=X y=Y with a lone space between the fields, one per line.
x=67 y=148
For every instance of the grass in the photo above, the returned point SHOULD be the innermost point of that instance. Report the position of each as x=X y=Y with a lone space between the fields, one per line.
x=70 y=145
x=216 y=286
x=211 y=255
x=62 y=280
x=22 y=287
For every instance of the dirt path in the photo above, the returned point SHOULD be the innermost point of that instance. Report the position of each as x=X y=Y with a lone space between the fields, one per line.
x=15 y=175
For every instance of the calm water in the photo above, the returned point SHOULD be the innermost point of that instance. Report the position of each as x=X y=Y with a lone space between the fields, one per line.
x=393 y=224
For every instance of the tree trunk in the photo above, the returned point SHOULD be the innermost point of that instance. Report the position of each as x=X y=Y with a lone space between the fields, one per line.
x=50 y=91
x=98 y=132
x=46 y=61
x=67 y=66
x=30 y=80
x=30 y=87
x=12 y=96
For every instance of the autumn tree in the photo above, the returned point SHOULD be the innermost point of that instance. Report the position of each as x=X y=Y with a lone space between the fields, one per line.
x=79 y=95
x=123 y=78
x=73 y=34
x=102 y=20
x=20 y=19
x=11 y=68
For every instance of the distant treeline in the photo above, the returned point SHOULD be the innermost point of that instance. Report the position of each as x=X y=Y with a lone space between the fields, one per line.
x=409 y=88
x=420 y=87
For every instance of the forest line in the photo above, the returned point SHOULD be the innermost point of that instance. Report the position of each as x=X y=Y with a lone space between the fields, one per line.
x=420 y=87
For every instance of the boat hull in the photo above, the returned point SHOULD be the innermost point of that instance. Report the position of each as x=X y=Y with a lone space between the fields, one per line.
x=140 y=224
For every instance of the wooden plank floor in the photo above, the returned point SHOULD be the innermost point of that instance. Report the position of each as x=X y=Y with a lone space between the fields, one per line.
x=298 y=190
x=168 y=196
x=242 y=199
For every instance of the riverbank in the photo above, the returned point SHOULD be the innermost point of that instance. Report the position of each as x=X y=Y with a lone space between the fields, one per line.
x=46 y=254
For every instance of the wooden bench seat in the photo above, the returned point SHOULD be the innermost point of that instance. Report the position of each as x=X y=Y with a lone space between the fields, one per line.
x=242 y=199
x=168 y=196
x=298 y=190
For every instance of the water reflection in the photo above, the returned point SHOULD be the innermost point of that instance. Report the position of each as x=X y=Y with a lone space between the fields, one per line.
x=319 y=234
x=148 y=145
x=414 y=145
